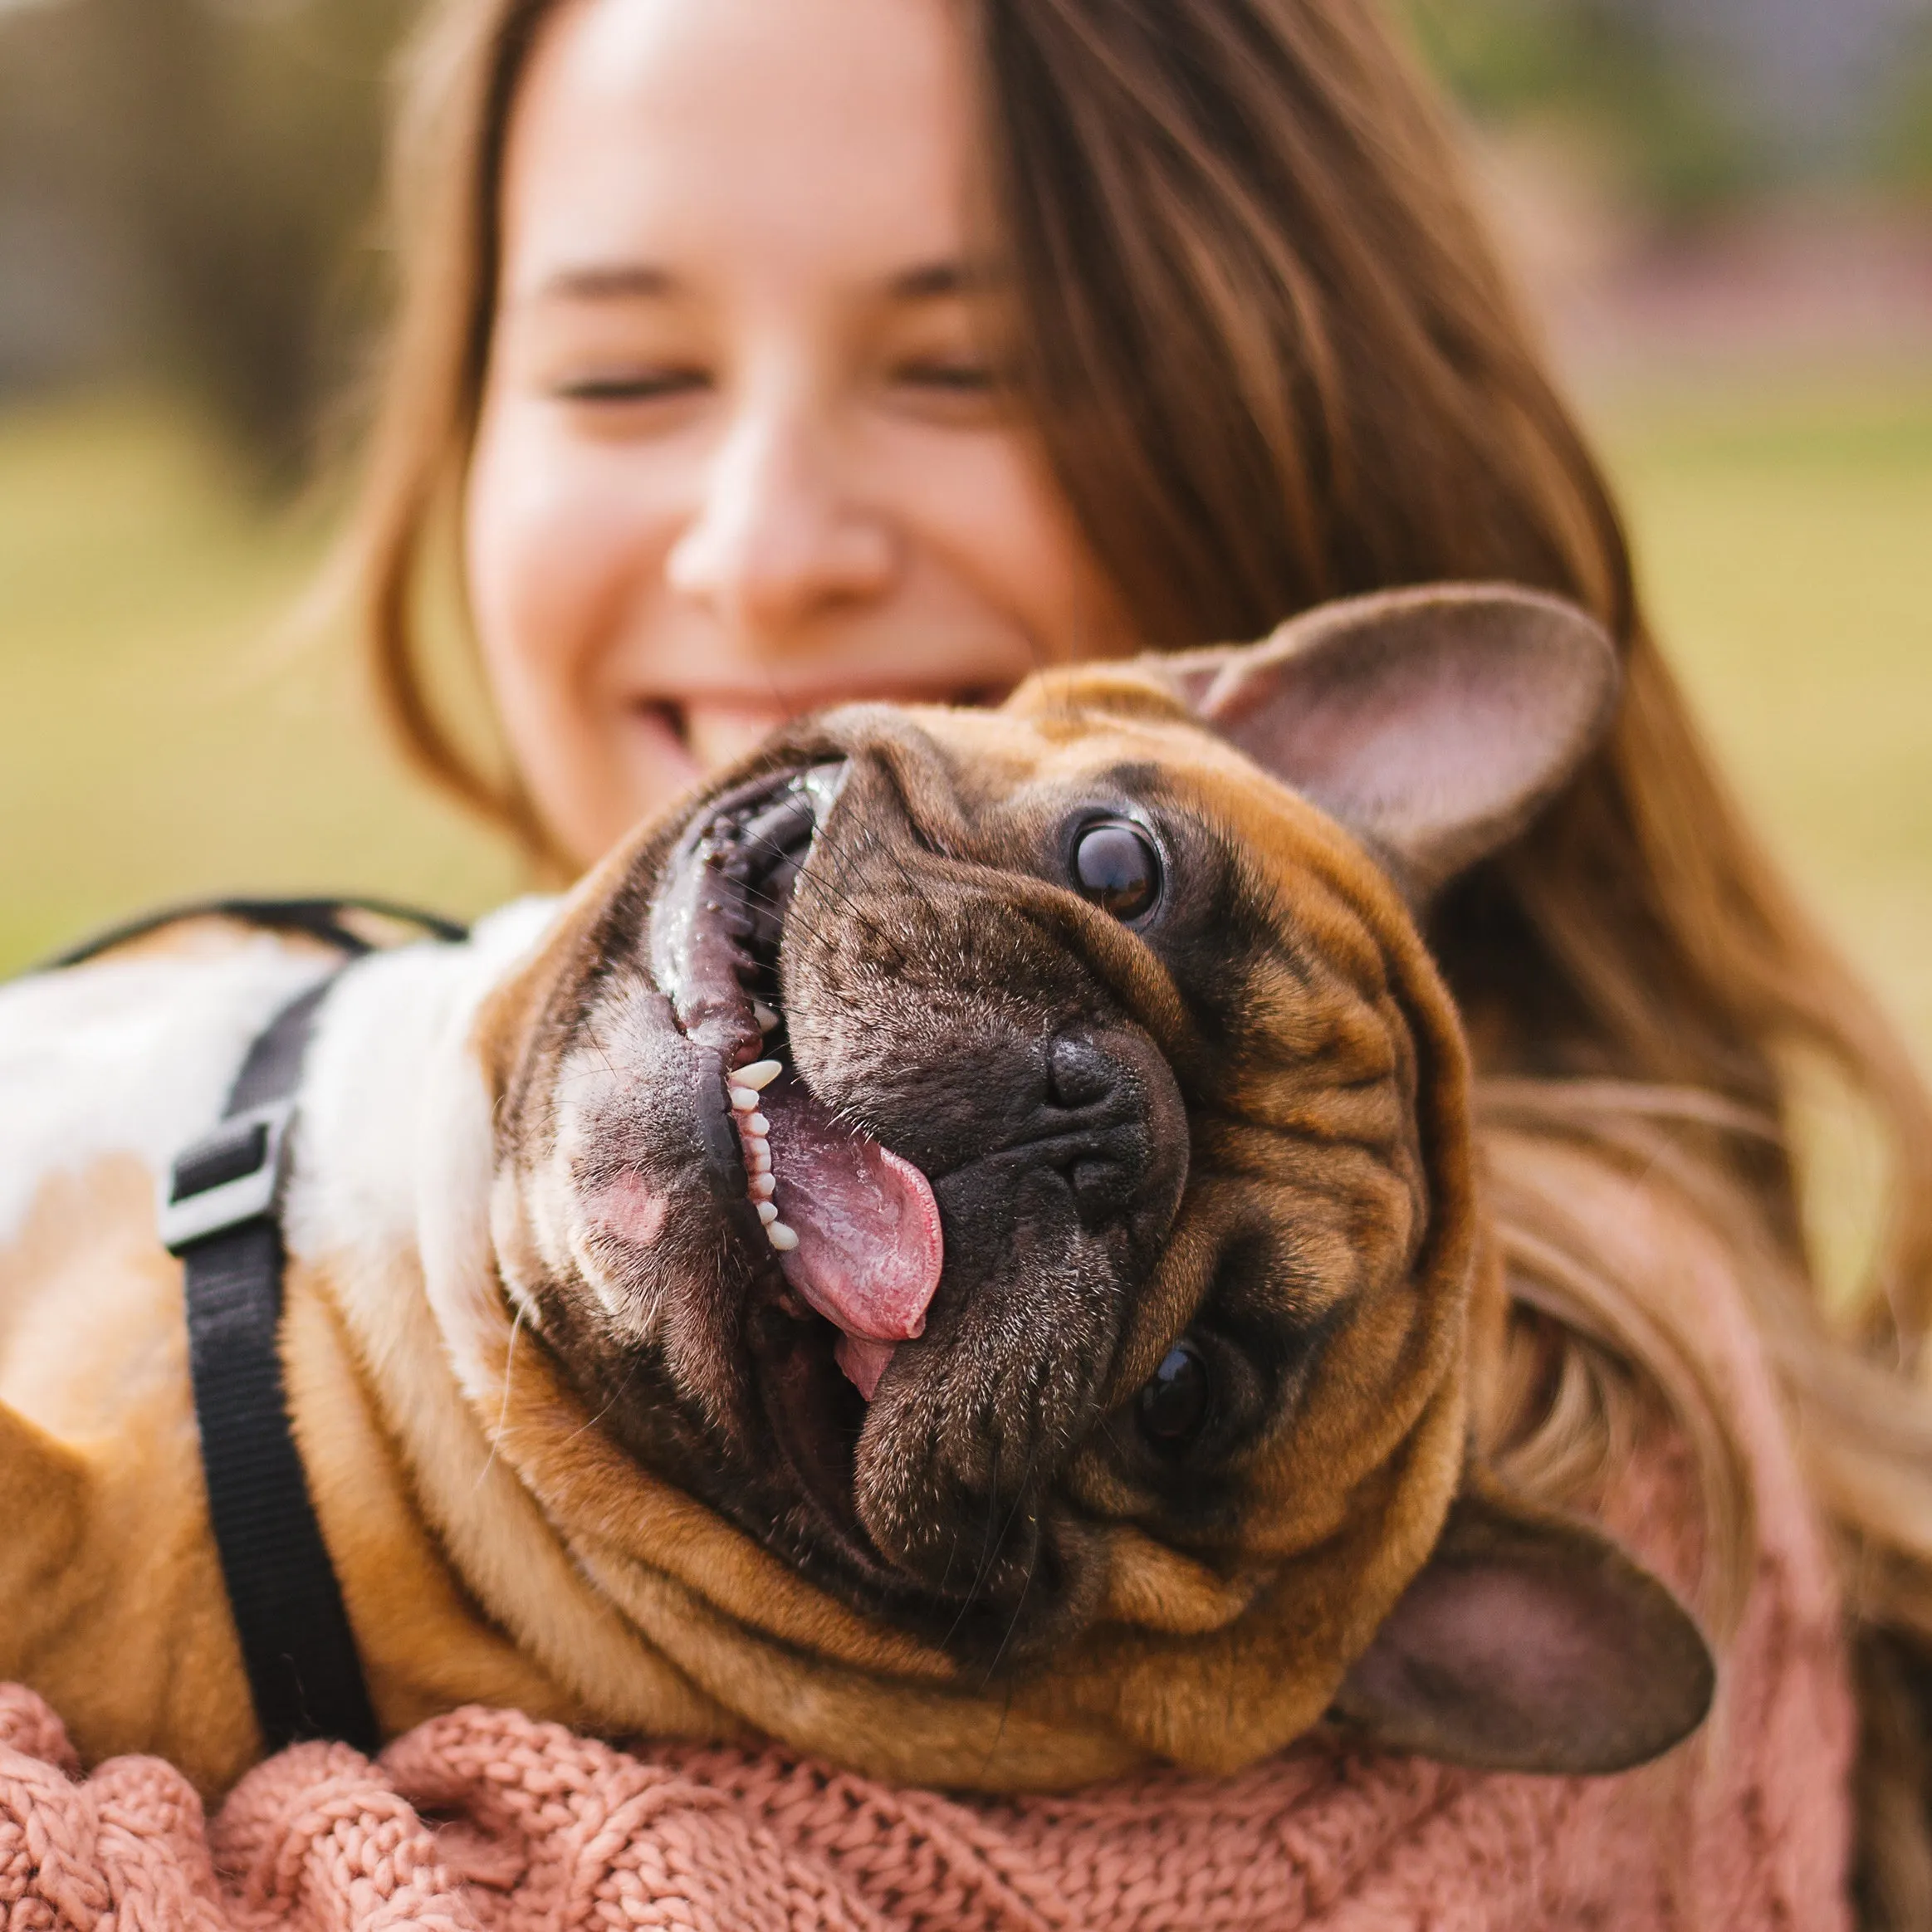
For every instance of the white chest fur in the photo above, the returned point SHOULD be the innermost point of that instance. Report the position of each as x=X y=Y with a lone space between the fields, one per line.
x=136 y=1056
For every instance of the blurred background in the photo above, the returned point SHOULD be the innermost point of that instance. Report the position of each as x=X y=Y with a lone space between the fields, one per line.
x=1723 y=207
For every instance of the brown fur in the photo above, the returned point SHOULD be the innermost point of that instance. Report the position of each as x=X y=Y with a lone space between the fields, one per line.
x=535 y=1494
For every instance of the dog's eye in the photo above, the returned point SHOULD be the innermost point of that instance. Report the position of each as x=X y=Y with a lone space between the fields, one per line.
x=1174 y=1403
x=1117 y=867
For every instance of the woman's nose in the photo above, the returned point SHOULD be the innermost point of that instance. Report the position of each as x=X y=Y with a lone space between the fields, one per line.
x=777 y=538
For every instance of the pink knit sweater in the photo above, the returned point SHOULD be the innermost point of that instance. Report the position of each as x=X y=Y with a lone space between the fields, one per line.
x=486 y=1820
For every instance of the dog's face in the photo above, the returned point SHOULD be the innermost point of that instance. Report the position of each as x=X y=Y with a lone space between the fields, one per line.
x=1015 y=1166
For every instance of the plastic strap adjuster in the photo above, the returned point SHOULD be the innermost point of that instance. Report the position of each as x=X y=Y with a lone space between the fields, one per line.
x=227 y=1178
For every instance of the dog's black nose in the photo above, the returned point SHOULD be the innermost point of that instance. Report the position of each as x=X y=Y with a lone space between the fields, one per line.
x=1075 y=1132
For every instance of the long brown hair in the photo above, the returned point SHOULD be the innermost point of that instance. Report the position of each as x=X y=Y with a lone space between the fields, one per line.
x=1273 y=359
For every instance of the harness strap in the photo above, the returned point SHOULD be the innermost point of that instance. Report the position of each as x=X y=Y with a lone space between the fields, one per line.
x=313 y=918
x=222 y=1215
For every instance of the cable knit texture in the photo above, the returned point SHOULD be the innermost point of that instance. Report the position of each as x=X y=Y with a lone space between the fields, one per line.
x=487 y=1821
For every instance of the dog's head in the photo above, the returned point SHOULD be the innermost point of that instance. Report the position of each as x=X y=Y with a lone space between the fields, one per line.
x=1014 y=1167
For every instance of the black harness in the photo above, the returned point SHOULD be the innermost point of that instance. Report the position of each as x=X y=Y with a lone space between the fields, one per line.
x=220 y=1213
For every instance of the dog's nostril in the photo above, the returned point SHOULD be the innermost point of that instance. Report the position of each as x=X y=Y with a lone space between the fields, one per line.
x=1078 y=1072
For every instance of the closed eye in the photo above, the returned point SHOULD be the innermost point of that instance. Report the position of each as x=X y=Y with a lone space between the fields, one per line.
x=949 y=391
x=961 y=377
x=629 y=386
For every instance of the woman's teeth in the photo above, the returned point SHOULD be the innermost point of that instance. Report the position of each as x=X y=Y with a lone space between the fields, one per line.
x=744 y=1086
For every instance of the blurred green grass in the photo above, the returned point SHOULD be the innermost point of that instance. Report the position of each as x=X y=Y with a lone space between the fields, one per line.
x=157 y=740
x=1783 y=531
x=162 y=736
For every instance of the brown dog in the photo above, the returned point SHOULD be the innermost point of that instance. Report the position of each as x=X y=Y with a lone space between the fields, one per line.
x=959 y=1252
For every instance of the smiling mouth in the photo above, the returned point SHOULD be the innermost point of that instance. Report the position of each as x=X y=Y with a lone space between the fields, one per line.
x=853 y=1228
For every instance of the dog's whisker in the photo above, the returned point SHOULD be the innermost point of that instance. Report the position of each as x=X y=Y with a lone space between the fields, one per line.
x=999 y=1729
x=610 y=1402
x=986 y=1549
x=503 y=1407
x=992 y=1669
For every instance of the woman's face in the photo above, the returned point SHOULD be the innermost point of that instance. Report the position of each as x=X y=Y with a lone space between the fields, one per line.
x=741 y=451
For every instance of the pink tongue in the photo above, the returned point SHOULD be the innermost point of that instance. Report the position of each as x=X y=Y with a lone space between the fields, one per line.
x=869 y=1253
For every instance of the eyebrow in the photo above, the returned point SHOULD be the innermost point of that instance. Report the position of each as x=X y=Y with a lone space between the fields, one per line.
x=607 y=282
x=934 y=281
x=642 y=282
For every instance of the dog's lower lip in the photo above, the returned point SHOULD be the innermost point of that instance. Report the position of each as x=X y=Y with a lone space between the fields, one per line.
x=814 y=1416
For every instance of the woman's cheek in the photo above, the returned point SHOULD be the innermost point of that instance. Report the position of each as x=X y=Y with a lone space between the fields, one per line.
x=989 y=504
x=557 y=551
x=545 y=537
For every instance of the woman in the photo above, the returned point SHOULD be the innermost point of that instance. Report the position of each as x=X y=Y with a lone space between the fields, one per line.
x=750 y=358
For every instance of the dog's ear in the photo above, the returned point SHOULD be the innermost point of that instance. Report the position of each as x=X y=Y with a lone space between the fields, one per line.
x=1530 y=1642
x=1432 y=722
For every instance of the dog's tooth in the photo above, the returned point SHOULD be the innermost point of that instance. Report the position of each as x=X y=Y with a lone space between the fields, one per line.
x=758 y=1157
x=762 y=1188
x=759 y=1075
x=744 y=1099
x=782 y=1237
x=767 y=1019
x=757 y=1126
x=767 y=1213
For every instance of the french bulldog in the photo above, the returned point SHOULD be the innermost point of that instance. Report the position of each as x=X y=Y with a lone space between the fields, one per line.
x=958 y=1250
